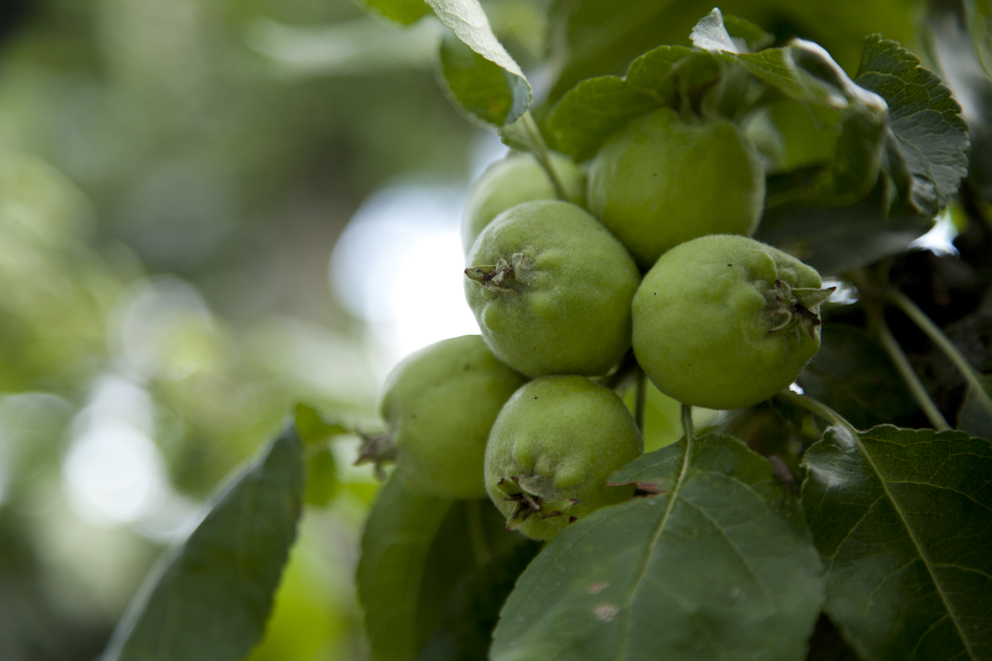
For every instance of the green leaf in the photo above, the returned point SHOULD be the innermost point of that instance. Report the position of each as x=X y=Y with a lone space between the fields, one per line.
x=710 y=34
x=599 y=37
x=835 y=240
x=718 y=564
x=586 y=116
x=209 y=599
x=403 y=12
x=434 y=573
x=926 y=128
x=853 y=375
x=975 y=417
x=322 y=478
x=753 y=36
x=312 y=427
x=479 y=75
x=903 y=520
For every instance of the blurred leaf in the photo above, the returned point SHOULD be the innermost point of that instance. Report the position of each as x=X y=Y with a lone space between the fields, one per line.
x=322 y=478
x=403 y=12
x=754 y=37
x=853 y=375
x=209 y=599
x=975 y=418
x=926 y=128
x=978 y=15
x=434 y=573
x=903 y=520
x=351 y=48
x=312 y=427
x=479 y=75
x=718 y=564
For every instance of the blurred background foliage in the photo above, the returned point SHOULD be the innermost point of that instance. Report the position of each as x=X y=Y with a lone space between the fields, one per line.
x=174 y=179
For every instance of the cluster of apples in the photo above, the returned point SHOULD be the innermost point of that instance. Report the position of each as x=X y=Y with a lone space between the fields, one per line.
x=648 y=251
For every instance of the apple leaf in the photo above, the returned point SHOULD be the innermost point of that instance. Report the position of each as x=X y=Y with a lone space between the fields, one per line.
x=209 y=599
x=716 y=562
x=680 y=77
x=903 y=521
x=926 y=131
x=834 y=240
x=434 y=573
x=853 y=375
x=589 y=113
x=478 y=74
x=403 y=12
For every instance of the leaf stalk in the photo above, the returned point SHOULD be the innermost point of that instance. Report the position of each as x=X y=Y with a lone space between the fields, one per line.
x=544 y=156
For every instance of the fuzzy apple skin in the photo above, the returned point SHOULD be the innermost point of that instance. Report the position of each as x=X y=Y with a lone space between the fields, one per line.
x=439 y=404
x=660 y=181
x=714 y=325
x=565 y=307
x=512 y=180
x=557 y=440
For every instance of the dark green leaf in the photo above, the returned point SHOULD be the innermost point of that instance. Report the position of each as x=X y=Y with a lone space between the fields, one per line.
x=314 y=431
x=835 y=240
x=926 y=128
x=718 y=564
x=853 y=375
x=434 y=573
x=903 y=520
x=975 y=417
x=403 y=12
x=472 y=566
x=479 y=75
x=209 y=599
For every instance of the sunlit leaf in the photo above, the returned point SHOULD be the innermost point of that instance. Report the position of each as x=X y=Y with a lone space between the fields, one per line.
x=903 y=520
x=478 y=73
x=717 y=564
x=210 y=598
